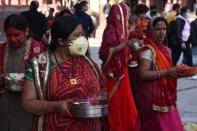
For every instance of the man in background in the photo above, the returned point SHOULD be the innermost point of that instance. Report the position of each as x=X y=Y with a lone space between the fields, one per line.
x=50 y=17
x=171 y=19
x=153 y=12
x=37 y=21
x=106 y=9
x=182 y=31
x=86 y=19
x=51 y=12
x=171 y=15
x=193 y=40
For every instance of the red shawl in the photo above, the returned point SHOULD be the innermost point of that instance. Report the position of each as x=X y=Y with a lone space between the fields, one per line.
x=114 y=34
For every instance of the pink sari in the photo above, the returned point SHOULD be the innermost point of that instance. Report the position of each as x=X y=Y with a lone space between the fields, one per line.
x=156 y=99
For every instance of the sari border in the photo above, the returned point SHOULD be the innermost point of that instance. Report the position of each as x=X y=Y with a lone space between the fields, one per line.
x=163 y=108
x=5 y=57
x=42 y=94
x=26 y=77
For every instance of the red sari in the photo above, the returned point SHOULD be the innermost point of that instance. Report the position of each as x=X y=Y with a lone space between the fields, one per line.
x=122 y=110
x=88 y=86
x=156 y=99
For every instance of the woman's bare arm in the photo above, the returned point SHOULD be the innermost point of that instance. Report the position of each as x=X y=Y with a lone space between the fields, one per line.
x=114 y=50
x=147 y=74
x=32 y=104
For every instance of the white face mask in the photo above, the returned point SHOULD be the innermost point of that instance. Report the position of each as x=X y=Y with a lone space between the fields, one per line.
x=78 y=46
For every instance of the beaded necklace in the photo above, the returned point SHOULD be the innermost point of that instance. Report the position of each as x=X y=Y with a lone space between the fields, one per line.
x=72 y=80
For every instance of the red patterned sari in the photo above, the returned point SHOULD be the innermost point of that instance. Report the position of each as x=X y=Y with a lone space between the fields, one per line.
x=122 y=110
x=89 y=85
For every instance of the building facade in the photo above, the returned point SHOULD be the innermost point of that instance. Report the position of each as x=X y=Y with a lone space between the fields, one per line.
x=161 y=3
x=16 y=6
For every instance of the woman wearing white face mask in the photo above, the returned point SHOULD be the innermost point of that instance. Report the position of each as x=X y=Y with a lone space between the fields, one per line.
x=66 y=75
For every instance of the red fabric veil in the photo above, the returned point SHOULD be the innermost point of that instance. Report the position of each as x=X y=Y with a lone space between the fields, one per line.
x=114 y=34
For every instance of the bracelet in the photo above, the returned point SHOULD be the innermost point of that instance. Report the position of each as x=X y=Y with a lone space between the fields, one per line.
x=158 y=75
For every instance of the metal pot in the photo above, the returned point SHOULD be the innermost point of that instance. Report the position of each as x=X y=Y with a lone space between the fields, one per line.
x=84 y=109
x=12 y=80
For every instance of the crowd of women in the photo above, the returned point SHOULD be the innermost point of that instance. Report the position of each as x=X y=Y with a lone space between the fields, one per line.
x=60 y=73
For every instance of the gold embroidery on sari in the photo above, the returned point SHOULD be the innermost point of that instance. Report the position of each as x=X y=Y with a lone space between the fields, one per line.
x=28 y=46
x=42 y=92
x=46 y=73
x=163 y=108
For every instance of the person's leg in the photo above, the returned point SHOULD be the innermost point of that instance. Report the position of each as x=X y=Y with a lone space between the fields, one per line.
x=188 y=54
x=176 y=53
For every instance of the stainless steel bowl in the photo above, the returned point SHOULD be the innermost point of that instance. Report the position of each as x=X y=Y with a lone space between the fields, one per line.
x=13 y=81
x=83 y=109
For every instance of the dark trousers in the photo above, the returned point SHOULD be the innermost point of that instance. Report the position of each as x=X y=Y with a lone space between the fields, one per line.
x=187 y=54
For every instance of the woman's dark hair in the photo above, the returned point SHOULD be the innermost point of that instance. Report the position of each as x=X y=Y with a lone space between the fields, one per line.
x=62 y=28
x=77 y=7
x=159 y=19
x=65 y=11
x=16 y=21
x=152 y=7
x=140 y=9
x=34 y=5
x=83 y=3
x=183 y=10
x=175 y=6
x=51 y=10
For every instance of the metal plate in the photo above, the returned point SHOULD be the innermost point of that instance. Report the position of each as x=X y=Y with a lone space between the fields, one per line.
x=86 y=110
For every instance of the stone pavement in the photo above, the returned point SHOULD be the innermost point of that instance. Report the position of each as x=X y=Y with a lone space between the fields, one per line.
x=187 y=99
x=187 y=87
